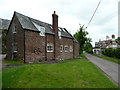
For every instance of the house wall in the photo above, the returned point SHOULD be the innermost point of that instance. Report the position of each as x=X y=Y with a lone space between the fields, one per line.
x=17 y=38
x=68 y=42
x=9 y=43
x=49 y=40
x=76 y=50
x=34 y=47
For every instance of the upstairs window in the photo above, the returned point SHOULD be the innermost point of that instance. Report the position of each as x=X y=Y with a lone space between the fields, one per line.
x=42 y=33
x=40 y=28
x=59 y=34
x=66 y=48
x=50 y=48
x=51 y=27
x=14 y=29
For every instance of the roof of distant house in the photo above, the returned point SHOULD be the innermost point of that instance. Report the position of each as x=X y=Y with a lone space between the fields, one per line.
x=105 y=43
x=27 y=23
x=4 y=24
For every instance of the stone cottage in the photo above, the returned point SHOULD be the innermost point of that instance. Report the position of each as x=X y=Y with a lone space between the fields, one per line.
x=30 y=40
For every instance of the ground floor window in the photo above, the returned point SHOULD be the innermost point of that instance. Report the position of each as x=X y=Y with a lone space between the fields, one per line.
x=66 y=48
x=14 y=47
x=71 y=49
x=61 y=48
x=50 y=48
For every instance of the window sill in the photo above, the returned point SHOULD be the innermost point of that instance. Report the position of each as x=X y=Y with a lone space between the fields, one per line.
x=14 y=32
x=14 y=51
x=49 y=51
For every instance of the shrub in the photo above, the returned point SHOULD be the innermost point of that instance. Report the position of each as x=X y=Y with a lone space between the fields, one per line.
x=112 y=52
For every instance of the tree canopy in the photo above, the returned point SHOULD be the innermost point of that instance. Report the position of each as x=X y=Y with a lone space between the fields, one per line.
x=81 y=37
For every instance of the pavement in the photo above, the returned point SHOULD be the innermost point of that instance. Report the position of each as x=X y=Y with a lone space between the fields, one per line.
x=108 y=67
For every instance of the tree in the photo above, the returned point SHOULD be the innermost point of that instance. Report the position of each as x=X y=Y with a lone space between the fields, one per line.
x=88 y=47
x=118 y=38
x=80 y=36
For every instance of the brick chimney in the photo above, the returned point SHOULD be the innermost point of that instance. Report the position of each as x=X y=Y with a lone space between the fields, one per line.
x=56 y=38
x=113 y=37
x=55 y=23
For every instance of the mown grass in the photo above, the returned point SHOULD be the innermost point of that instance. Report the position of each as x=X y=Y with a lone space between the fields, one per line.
x=11 y=62
x=79 y=73
x=115 y=60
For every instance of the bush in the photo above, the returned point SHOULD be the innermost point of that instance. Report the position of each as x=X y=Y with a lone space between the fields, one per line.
x=112 y=52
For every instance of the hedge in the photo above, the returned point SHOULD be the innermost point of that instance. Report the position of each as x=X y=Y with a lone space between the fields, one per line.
x=112 y=52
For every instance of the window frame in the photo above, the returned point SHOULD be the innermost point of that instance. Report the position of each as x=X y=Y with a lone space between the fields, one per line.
x=42 y=32
x=15 y=50
x=61 y=48
x=66 y=46
x=14 y=30
x=71 y=49
x=50 y=48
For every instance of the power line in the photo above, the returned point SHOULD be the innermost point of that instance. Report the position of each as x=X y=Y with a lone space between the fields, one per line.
x=93 y=14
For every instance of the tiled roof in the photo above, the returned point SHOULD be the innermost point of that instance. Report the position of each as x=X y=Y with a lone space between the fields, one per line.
x=26 y=23
x=105 y=43
x=118 y=41
x=4 y=24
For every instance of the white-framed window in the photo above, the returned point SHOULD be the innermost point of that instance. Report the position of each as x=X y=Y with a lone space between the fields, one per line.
x=50 y=47
x=71 y=49
x=42 y=32
x=59 y=34
x=14 y=47
x=66 y=48
x=14 y=29
x=40 y=28
x=51 y=27
x=61 y=48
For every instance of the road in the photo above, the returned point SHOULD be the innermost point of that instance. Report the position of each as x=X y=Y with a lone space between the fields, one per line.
x=108 y=67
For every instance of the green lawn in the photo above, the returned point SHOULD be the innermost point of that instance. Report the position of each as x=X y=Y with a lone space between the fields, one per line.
x=115 y=60
x=11 y=62
x=79 y=73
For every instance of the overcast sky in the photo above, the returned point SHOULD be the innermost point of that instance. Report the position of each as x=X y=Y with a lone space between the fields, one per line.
x=71 y=13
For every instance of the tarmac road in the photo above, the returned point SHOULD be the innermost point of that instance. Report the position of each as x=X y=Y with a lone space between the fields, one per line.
x=108 y=67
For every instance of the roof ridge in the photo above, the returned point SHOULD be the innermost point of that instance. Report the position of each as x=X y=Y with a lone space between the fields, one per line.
x=27 y=23
x=31 y=18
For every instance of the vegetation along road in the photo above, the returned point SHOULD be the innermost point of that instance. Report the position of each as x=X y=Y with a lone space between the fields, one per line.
x=78 y=73
x=108 y=67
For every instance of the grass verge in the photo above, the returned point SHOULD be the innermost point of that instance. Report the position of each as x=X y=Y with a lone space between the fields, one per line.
x=115 y=60
x=11 y=62
x=79 y=73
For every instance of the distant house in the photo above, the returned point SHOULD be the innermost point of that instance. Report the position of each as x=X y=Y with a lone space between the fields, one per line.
x=4 y=24
x=30 y=40
x=108 y=43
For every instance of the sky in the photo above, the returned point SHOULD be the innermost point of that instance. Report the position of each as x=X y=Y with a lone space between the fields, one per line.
x=71 y=13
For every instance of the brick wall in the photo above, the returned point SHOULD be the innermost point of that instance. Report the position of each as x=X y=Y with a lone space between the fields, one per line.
x=17 y=38
x=76 y=50
x=34 y=47
x=49 y=40
x=69 y=42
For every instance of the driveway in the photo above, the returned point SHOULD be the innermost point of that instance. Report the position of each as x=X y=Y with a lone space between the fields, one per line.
x=109 y=68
